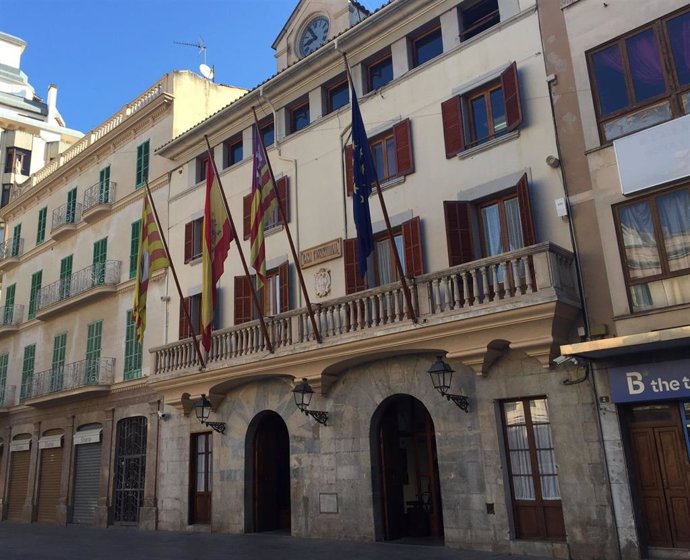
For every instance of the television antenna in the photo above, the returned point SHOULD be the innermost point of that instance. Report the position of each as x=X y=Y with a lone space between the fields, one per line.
x=206 y=71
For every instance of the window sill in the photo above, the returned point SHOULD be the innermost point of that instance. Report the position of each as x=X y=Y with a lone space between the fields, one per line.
x=648 y=312
x=391 y=183
x=194 y=260
x=488 y=145
x=274 y=229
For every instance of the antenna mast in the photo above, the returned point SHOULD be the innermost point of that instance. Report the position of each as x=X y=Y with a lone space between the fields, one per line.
x=207 y=71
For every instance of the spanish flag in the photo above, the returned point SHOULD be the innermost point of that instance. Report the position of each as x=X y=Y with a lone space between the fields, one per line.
x=217 y=236
x=151 y=257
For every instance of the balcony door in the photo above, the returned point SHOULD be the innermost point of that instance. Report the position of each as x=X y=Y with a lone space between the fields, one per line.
x=93 y=352
x=104 y=185
x=66 y=277
x=100 y=250
x=201 y=474
x=58 y=364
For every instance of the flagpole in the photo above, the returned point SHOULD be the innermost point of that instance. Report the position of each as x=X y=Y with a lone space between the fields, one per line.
x=391 y=238
x=177 y=282
x=283 y=215
x=239 y=248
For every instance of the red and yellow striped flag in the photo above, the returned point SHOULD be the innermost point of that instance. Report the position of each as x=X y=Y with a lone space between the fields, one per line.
x=150 y=258
x=264 y=203
x=217 y=236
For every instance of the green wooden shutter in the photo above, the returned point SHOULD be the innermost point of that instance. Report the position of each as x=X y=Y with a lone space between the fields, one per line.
x=65 y=277
x=93 y=352
x=27 y=371
x=16 y=240
x=133 y=351
x=104 y=185
x=70 y=216
x=4 y=360
x=58 y=363
x=8 y=311
x=36 y=279
x=41 y=232
x=134 y=248
x=142 y=163
x=100 y=249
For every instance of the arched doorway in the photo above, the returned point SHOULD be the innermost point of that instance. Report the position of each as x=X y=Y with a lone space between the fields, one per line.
x=268 y=467
x=407 y=494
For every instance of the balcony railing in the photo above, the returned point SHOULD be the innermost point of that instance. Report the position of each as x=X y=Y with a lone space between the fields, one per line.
x=7 y=393
x=522 y=277
x=99 y=194
x=12 y=248
x=11 y=315
x=65 y=215
x=99 y=274
x=89 y=372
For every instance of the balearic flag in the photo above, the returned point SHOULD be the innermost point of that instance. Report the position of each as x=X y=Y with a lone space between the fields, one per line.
x=215 y=243
x=364 y=174
x=263 y=203
x=150 y=258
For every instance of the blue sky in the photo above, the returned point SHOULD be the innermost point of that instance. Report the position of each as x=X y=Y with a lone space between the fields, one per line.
x=104 y=53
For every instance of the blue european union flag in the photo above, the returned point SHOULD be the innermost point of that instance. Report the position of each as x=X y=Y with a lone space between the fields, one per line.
x=364 y=174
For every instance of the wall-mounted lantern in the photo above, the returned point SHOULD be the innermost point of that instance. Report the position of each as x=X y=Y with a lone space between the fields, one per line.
x=202 y=408
x=441 y=376
x=303 y=394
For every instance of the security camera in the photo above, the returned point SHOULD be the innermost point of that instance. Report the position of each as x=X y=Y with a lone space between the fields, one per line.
x=163 y=415
x=563 y=359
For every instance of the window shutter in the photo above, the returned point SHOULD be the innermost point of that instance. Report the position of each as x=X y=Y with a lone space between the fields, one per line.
x=412 y=242
x=243 y=300
x=283 y=274
x=511 y=94
x=349 y=177
x=283 y=193
x=458 y=232
x=403 y=147
x=453 y=132
x=353 y=281
x=184 y=325
x=246 y=214
x=528 y=236
x=188 y=241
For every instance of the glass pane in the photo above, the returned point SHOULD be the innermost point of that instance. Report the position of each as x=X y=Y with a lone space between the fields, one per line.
x=520 y=463
x=498 y=111
x=662 y=293
x=674 y=216
x=512 y=211
x=236 y=153
x=679 y=33
x=428 y=47
x=380 y=73
x=542 y=436
x=480 y=119
x=514 y=413
x=538 y=411
x=641 y=253
x=200 y=444
x=377 y=154
x=517 y=437
x=339 y=96
x=610 y=80
x=267 y=135
x=549 y=488
x=401 y=252
x=645 y=65
x=546 y=461
x=523 y=488
x=300 y=118
x=491 y=224
x=383 y=254
x=391 y=160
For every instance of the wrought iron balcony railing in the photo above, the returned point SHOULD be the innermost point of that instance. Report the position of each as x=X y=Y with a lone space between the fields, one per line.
x=89 y=372
x=13 y=247
x=99 y=194
x=99 y=274
x=7 y=393
x=66 y=214
x=11 y=315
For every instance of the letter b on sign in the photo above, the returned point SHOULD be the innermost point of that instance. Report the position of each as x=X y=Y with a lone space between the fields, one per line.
x=635 y=385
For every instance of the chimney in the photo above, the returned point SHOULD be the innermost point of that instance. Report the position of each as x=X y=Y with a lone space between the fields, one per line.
x=52 y=103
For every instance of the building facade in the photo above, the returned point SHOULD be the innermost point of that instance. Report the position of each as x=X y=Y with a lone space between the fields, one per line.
x=621 y=103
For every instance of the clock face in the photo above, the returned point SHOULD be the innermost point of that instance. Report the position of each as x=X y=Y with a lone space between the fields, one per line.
x=313 y=36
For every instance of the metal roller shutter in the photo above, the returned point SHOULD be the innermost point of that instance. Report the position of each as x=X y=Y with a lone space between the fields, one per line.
x=49 y=485
x=19 y=483
x=86 y=480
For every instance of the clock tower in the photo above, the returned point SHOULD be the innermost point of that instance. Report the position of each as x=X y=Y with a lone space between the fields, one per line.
x=312 y=24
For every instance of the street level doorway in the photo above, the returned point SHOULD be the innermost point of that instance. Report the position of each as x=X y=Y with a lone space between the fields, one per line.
x=130 y=470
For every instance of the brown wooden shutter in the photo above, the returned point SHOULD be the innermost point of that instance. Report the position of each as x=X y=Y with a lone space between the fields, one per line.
x=412 y=242
x=453 y=132
x=528 y=236
x=246 y=215
x=458 y=232
x=511 y=94
x=284 y=276
x=188 y=241
x=283 y=196
x=243 y=300
x=403 y=147
x=184 y=324
x=353 y=281
x=349 y=177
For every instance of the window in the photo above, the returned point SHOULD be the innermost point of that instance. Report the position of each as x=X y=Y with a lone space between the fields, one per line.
x=71 y=210
x=535 y=493
x=232 y=151
x=267 y=129
x=133 y=353
x=477 y=16
x=381 y=266
x=298 y=115
x=200 y=479
x=27 y=371
x=4 y=360
x=134 y=247
x=274 y=219
x=503 y=223
x=35 y=293
x=16 y=248
x=8 y=310
x=654 y=240
x=192 y=239
x=201 y=165
x=426 y=45
x=18 y=161
x=6 y=194
x=104 y=185
x=100 y=251
x=94 y=334
x=66 y=277
x=274 y=296
x=482 y=114
x=337 y=94
x=642 y=78
x=379 y=72
x=142 y=174
x=41 y=231
x=392 y=153
x=58 y=363
x=193 y=305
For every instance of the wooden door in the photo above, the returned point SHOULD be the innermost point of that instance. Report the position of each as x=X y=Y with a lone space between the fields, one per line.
x=200 y=479
x=392 y=474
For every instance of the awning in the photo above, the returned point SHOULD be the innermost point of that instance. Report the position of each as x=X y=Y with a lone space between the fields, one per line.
x=88 y=436
x=20 y=445
x=50 y=442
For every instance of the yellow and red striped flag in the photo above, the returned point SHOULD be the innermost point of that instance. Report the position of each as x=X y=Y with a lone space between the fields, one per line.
x=217 y=236
x=264 y=203
x=150 y=258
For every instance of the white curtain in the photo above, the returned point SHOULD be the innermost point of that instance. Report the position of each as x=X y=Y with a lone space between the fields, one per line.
x=641 y=252
x=674 y=216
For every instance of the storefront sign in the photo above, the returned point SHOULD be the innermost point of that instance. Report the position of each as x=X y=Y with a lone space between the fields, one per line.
x=650 y=382
x=321 y=253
